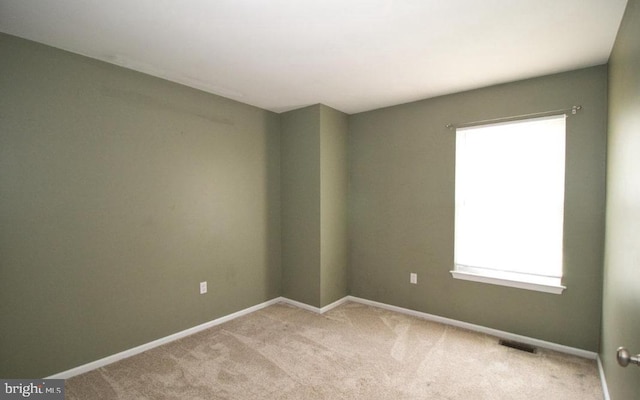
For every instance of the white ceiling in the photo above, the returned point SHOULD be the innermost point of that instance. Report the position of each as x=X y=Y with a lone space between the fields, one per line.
x=353 y=55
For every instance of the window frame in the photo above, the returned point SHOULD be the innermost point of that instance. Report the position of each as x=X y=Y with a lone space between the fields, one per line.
x=511 y=278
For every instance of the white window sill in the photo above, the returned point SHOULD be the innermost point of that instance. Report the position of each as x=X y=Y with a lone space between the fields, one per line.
x=510 y=279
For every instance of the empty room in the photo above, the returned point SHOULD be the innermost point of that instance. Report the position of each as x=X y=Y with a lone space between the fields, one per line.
x=283 y=199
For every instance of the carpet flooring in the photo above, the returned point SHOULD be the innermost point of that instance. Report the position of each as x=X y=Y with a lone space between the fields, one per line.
x=351 y=352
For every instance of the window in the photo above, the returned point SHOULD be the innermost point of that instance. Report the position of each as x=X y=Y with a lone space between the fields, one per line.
x=509 y=203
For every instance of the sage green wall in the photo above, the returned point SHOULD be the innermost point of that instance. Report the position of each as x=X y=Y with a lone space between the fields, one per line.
x=333 y=205
x=401 y=208
x=314 y=205
x=119 y=193
x=621 y=302
x=300 y=191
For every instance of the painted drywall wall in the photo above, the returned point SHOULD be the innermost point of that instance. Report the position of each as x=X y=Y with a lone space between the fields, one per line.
x=314 y=204
x=621 y=300
x=300 y=192
x=401 y=208
x=333 y=205
x=119 y=193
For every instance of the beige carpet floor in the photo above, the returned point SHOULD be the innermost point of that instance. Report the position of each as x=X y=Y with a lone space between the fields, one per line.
x=352 y=352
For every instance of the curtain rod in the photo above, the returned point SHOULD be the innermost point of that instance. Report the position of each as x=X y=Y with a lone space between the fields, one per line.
x=574 y=110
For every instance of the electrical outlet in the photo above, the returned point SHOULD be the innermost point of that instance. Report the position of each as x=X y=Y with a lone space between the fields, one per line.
x=203 y=287
x=413 y=278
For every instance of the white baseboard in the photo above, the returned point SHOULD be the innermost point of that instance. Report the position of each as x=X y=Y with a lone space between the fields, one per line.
x=430 y=317
x=603 y=379
x=478 y=328
x=452 y=322
x=159 y=342
x=312 y=308
x=298 y=304
x=333 y=305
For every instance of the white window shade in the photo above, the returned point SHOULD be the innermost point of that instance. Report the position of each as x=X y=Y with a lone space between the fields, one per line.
x=510 y=200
